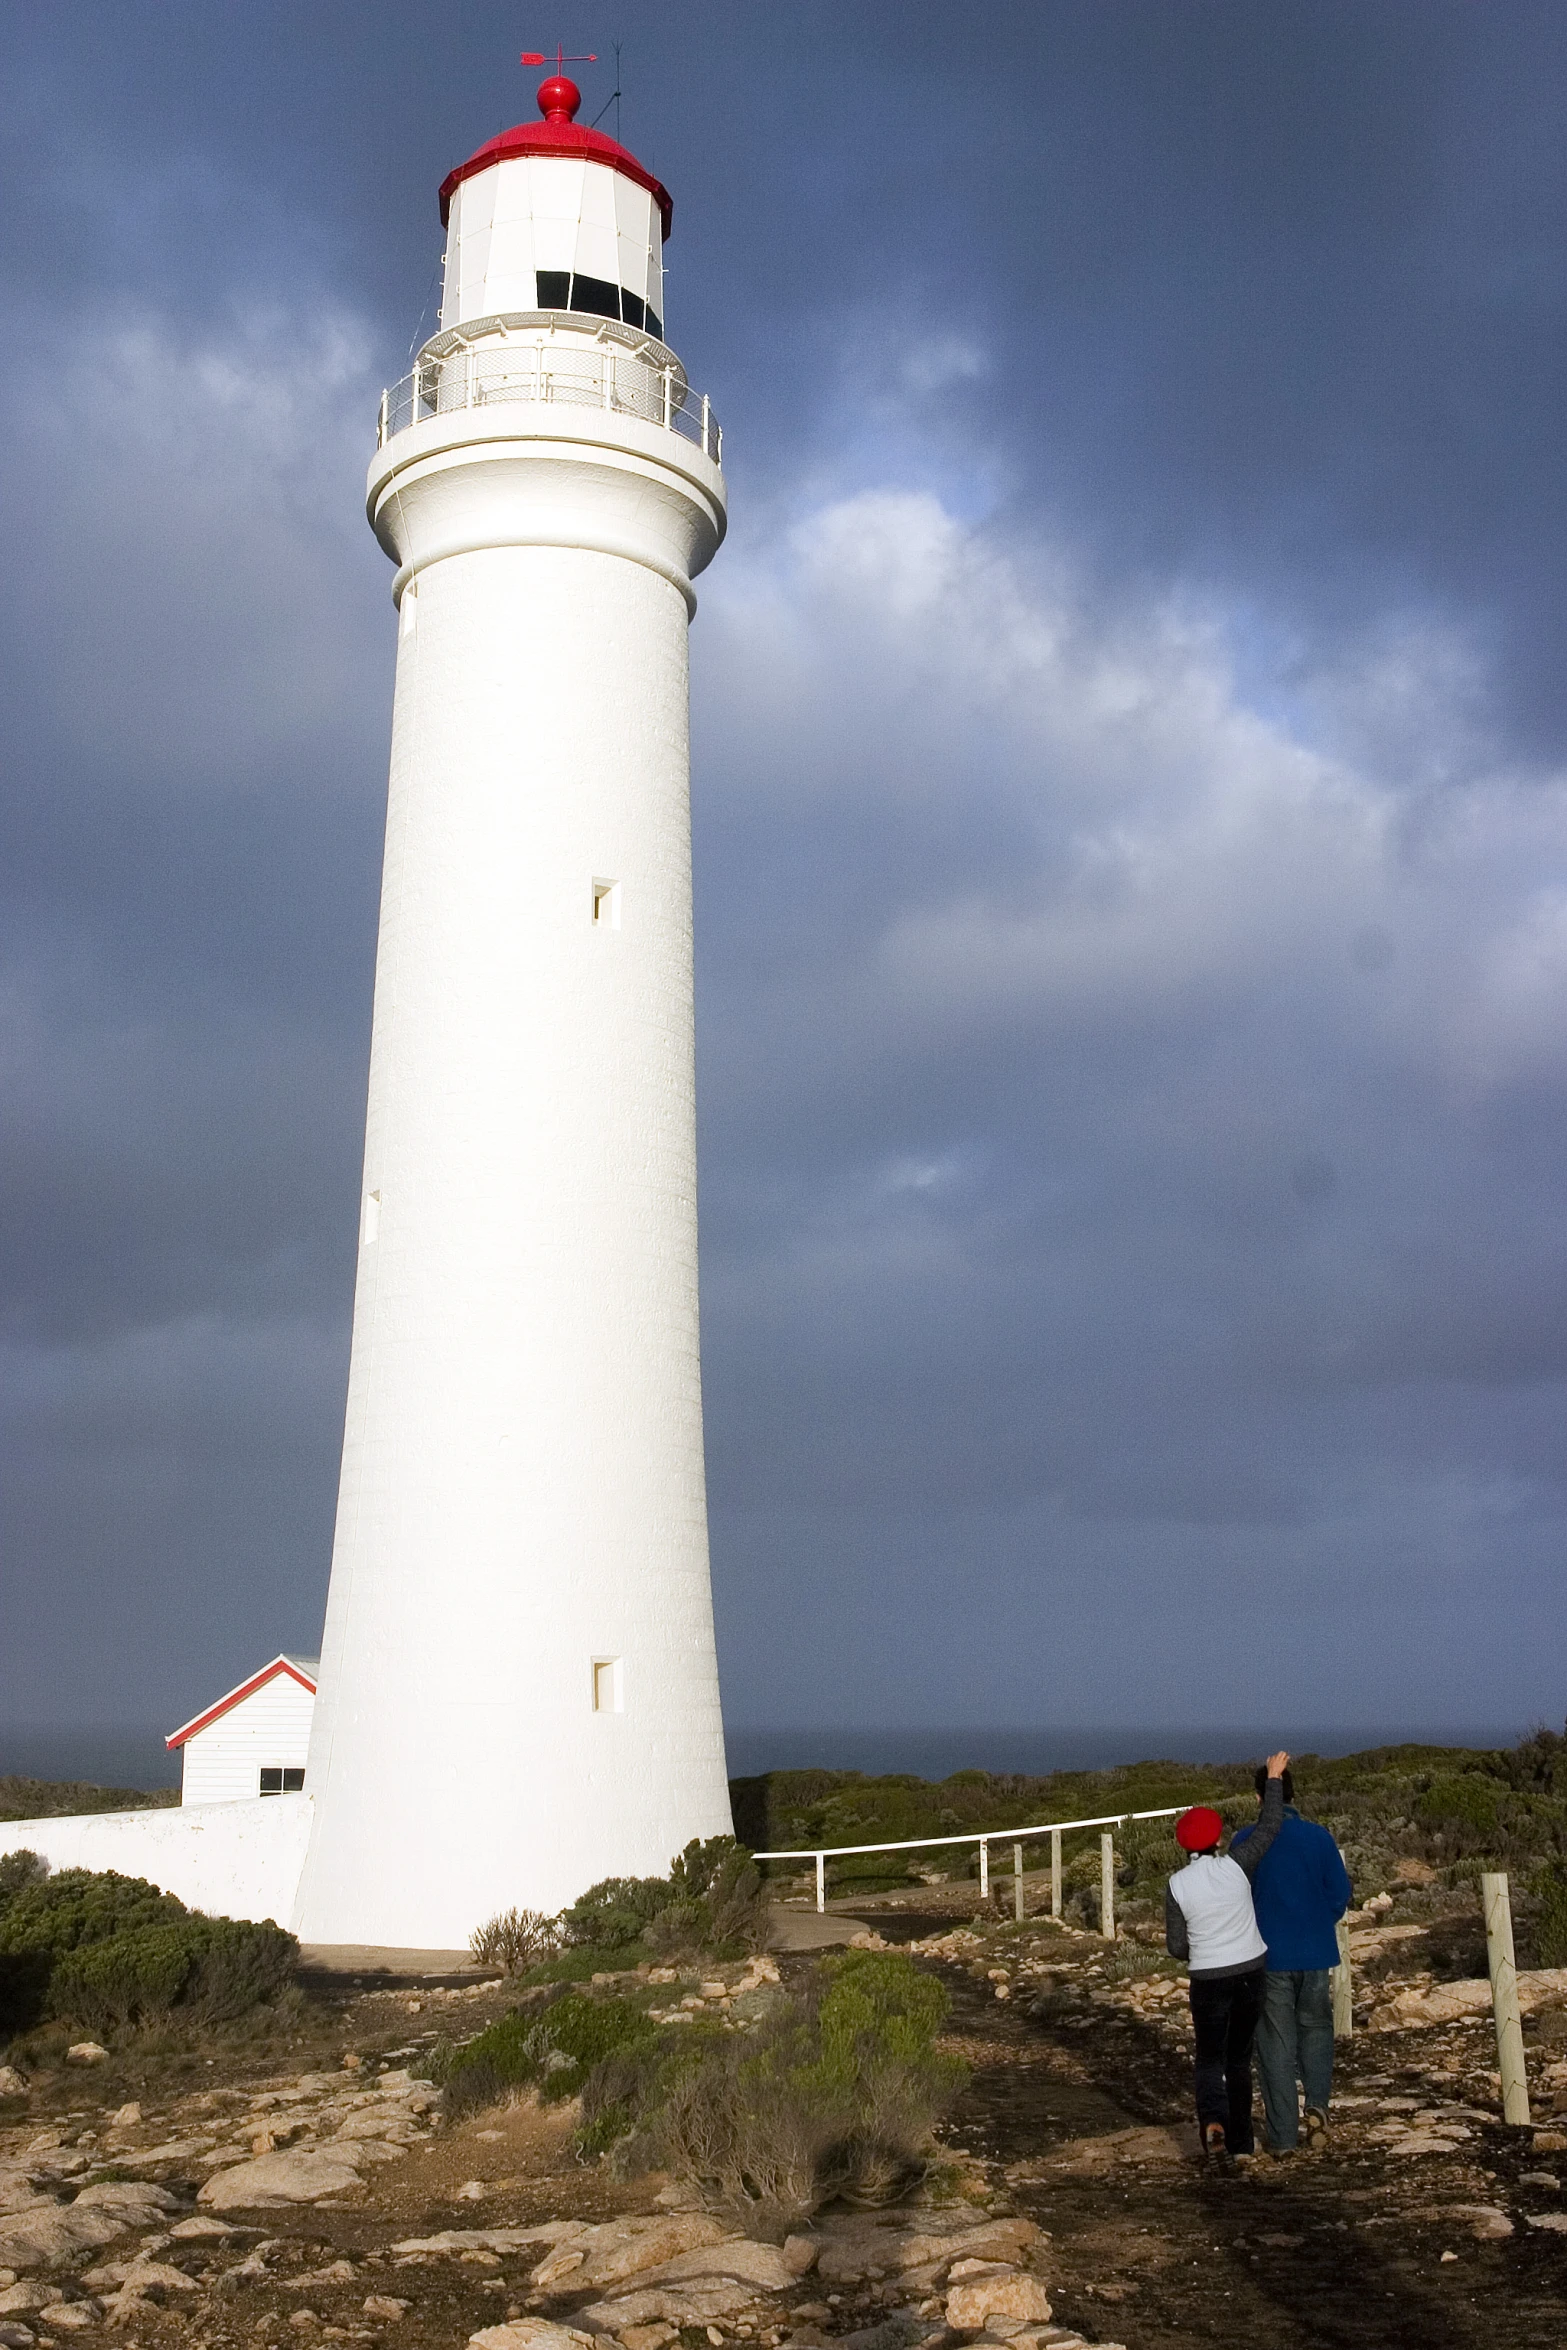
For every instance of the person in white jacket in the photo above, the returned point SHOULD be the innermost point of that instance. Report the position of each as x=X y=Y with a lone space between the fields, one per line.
x=1209 y=1921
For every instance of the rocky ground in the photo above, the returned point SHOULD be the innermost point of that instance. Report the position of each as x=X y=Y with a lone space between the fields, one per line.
x=283 y=2190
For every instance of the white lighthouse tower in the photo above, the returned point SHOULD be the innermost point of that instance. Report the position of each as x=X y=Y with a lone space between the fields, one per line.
x=518 y=1683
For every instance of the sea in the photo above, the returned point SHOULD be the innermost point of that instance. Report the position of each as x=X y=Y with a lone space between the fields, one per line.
x=135 y=1756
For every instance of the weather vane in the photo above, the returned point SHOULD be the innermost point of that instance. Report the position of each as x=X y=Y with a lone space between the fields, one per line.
x=537 y=57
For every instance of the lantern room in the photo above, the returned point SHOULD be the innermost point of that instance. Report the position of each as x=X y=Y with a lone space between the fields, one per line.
x=552 y=216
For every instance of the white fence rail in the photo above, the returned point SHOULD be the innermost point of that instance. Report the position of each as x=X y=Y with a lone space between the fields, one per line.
x=1017 y=1838
x=543 y=374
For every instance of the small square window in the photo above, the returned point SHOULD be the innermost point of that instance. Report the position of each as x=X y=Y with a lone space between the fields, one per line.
x=606 y=1685
x=293 y=1782
x=606 y=904
x=271 y=1782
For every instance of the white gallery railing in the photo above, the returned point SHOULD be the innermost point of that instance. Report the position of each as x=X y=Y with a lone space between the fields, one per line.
x=1017 y=1838
x=532 y=373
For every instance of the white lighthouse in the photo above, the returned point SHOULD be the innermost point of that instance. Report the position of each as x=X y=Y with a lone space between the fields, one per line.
x=518 y=1683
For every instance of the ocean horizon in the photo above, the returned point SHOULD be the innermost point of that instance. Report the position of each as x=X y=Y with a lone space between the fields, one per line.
x=134 y=1755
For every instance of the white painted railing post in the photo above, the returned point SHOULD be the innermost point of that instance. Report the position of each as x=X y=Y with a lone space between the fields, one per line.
x=1504 y=1998
x=1055 y=1874
x=1343 y=1988
x=821 y=1880
x=984 y=1870
x=668 y=379
x=1018 y=1910
x=706 y=451
x=380 y=433
x=1107 y=1885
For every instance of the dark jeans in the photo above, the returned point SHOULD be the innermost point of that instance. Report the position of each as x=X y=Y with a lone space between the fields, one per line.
x=1295 y=2043
x=1225 y=2009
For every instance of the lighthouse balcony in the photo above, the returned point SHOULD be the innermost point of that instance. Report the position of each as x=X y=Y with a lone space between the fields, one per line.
x=525 y=360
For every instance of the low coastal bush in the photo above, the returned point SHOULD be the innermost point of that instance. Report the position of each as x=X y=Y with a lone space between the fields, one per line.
x=98 y=1950
x=57 y=1913
x=710 y=1903
x=514 y=1940
x=553 y=2052
x=834 y=2094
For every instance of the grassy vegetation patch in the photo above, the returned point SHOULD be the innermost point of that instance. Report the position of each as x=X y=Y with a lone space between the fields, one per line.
x=833 y=2094
x=553 y=2052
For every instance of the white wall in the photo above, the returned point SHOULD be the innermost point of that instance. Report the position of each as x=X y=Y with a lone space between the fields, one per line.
x=237 y=1860
x=270 y=1726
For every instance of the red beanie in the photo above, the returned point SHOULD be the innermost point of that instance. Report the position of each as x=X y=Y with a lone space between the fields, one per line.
x=1199 y=1829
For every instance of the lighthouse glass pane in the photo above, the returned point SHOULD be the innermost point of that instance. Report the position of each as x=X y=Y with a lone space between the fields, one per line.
x=595 y=295
x=554 y=289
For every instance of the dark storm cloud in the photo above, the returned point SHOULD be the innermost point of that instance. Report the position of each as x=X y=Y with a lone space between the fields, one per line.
x=1131 y=832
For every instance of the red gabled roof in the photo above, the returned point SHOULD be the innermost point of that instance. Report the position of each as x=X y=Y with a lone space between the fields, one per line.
x=299 y=1668
x=558 y=135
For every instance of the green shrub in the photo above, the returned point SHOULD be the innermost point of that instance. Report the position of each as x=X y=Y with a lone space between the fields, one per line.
x=74 y=1906
x=101 y=1984
x=835 y=2093
x=553 y=2052
x=212 y=1968
x=710 y=1901
x=580 y=1966
x=614 y=1912
x=18 y=1870
x=1551 y=1927
x=1465 y=1804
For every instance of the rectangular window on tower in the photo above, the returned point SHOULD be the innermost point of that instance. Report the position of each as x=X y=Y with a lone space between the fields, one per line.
x=607 y=1697
x=606 y=905
x=275 y=1780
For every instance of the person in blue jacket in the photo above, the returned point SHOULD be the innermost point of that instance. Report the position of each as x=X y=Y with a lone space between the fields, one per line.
x=1300 y=1891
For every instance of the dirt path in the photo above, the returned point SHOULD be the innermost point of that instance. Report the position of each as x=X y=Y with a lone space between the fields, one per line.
x=1086 y=2118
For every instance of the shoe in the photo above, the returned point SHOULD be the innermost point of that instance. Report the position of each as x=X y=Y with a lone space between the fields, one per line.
x=1213 y=2141
x=1316 y=2128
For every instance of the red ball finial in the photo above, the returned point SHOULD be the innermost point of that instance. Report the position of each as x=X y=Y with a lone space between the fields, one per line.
x=559 y=98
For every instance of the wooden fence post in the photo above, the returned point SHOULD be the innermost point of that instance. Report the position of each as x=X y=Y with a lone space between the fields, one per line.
x=1343 y=1988
x=1107 y=1885
x=1055 y=1873
x=821 y=1880
x=984 y=1869
x=1018 y=1910
x=1504 y=1997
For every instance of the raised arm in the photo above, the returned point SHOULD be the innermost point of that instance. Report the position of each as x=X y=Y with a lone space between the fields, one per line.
x=1248 y=1854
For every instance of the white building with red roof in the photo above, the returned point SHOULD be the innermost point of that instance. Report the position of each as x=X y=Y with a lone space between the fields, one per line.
x=254 y=1741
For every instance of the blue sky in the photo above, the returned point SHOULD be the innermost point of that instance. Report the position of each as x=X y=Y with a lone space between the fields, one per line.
x=1131 y=833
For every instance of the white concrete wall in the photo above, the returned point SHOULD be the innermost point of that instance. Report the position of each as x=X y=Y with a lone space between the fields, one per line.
x=523 y=1487
x=272 y=1726
x=237 y=1860
x=536 y=212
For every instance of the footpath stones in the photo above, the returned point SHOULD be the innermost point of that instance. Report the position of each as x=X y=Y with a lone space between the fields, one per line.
x=277 y=2178
x=598 y=2256
x=972 y=2304
x=529 y=2333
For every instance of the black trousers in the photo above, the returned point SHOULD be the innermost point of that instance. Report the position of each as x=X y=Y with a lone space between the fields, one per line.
x=1225 y=2009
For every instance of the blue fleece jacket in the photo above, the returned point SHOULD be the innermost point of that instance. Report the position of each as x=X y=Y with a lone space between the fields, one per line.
x=1300 y=1891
